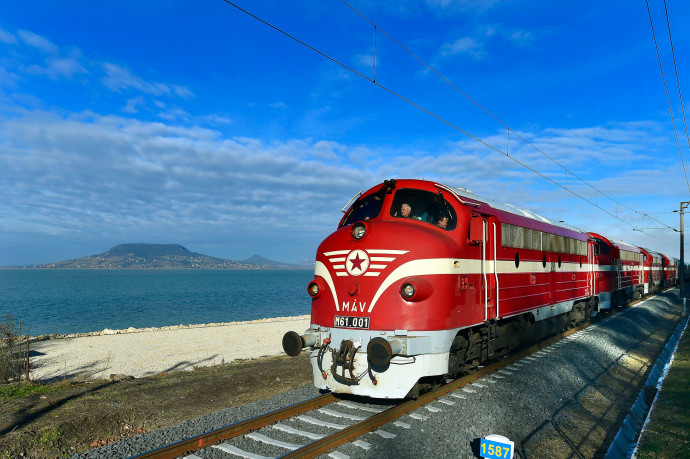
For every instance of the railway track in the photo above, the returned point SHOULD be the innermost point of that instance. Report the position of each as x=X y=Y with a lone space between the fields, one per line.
x=323 y=443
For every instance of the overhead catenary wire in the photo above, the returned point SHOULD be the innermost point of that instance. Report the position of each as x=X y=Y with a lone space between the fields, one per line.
x=675 y=67
x=663 y=79
x=517 y=134
x=450 y=124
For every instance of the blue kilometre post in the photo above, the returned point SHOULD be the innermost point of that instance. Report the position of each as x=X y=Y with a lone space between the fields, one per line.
x=496 y=447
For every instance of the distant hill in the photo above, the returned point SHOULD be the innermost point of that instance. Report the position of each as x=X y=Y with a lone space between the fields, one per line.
x=259 y=260
x=307 y=263
x=147 y=256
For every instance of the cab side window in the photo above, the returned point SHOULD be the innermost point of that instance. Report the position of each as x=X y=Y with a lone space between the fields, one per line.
x=424 y=206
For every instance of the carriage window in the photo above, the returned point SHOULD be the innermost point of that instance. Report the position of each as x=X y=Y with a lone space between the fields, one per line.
x=364 y=209
x=425 y=206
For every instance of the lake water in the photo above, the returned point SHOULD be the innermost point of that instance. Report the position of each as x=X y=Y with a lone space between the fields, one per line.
x=76 y=301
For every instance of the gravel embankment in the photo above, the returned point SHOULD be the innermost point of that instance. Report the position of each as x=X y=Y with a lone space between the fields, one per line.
x=141 y=444
x=564 y=401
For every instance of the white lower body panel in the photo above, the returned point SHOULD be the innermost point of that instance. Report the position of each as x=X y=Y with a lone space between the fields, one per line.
x=396 y=381
x=424 y=353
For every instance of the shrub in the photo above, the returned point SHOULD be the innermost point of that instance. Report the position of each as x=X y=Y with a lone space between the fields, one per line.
x=12 y=353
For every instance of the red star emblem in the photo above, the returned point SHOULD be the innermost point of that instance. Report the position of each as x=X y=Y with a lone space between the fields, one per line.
x=357 y=262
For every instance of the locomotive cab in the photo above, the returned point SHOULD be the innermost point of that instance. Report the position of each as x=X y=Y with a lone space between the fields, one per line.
x=380 y=304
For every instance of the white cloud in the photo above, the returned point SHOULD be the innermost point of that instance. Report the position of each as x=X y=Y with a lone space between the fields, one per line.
x=174 y=114
x=119 y=79
x=56 y=67
x=134 y=104
x=7 y=78
x=476 y=46
x=182 y=91
x=465 y=45
x=520 y=37
x=6 y=37
x=105 y=172
x=122 y=179
x=65 y=66
x=216 y=119
x=38 y=41
x=365 y=60
x=462 y=6
x=52 y=63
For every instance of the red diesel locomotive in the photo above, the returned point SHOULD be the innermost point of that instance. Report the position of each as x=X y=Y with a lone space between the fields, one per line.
x=619 y=270
x=669 y=271
x=421 y=282
x=653 y=270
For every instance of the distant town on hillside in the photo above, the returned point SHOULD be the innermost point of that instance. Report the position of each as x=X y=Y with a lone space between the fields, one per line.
x=164 y=256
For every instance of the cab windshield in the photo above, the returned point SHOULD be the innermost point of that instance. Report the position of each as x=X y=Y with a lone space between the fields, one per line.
x=424 y=206
x=364 y=209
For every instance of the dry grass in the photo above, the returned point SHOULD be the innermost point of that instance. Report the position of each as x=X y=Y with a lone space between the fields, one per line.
x=668 y=434
x=59 y=419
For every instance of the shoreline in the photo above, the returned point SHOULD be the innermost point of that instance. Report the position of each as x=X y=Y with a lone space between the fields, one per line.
x=140 y=352
x=121 y=331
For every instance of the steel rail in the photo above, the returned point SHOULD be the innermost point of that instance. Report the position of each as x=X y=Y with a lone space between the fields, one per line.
x=234 y=430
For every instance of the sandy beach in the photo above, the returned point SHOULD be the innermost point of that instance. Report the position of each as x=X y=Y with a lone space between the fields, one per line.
x=146 y=352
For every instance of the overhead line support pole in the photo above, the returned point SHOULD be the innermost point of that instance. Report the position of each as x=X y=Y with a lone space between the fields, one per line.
x=683 y=205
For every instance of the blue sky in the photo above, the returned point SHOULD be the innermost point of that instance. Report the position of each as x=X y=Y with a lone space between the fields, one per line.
x=193 y=123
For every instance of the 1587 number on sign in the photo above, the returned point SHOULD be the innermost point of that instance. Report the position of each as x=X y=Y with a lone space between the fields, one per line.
x=495 y=450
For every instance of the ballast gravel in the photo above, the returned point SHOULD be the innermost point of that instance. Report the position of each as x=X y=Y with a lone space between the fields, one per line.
x=143 y=443
x=564 y=401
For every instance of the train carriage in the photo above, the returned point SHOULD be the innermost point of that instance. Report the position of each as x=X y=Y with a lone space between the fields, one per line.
x=676 y=267
x=670 y=271
x=653 y=270
x=620 y=275
x=422 y=281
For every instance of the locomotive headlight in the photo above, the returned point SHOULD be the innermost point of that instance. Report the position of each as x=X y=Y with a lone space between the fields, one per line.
x=407 y=291
x=416 y=289
x=358 y=231
x=313 y=289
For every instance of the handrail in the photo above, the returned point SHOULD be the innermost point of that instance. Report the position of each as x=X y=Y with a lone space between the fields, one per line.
x=486 y=286
x=353 y=198
x=496 y=270
x=455 y=195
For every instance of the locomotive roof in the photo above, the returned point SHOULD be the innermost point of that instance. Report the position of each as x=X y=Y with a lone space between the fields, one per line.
x=651 y=252
x=618 y=243
x=511 y=209
x=503 y=206
x=626 y=246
